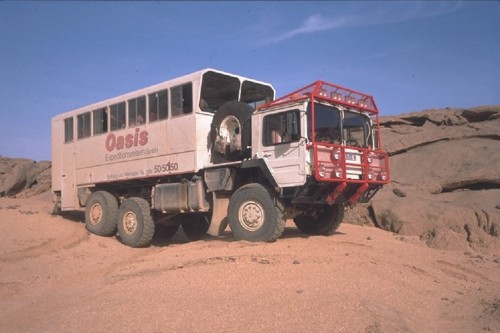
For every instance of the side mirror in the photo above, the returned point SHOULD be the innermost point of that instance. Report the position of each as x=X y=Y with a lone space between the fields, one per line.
x=374 y=136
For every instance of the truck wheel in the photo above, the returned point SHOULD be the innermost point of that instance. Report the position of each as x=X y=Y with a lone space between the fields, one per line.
x=322 y=222
x=101 y=213
x=231 y=132
x=135 y=224
x=197 y=227
x=255 y=215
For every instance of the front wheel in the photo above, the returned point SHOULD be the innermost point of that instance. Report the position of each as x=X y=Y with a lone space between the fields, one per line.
x=135 y=223
x=255 y=215
x=322 y=221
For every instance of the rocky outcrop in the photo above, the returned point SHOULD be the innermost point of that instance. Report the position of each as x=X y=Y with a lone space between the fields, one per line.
x=23 y=177
x=445 y=178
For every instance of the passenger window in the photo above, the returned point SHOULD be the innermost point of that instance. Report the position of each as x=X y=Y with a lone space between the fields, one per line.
x=100 y=117
x=182 y=99
x=282 y=128
x=217 y=89
x=68 y=130
x=137 y=111
x=256 y=94
x=158 y=105
x=117 y=116
x=83 y=125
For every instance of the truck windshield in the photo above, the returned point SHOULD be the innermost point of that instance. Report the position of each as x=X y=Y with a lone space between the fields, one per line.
x=333 y=125
x=217 y=89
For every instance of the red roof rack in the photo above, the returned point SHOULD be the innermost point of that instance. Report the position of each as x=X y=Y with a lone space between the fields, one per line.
x=329 y=92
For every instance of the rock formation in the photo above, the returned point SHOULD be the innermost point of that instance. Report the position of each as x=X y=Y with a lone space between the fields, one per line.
x=23 y=177
x=445 y=178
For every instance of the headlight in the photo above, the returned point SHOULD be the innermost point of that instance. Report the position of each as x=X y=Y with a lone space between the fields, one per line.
x=337 y=172
x=371 y=175
x=383 y=175
x=321 y=171
x=336 y=154
x=370 y=158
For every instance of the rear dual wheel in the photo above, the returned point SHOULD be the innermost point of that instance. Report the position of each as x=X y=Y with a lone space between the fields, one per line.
x=101 y=213
x=135 y=223
x=133 y=219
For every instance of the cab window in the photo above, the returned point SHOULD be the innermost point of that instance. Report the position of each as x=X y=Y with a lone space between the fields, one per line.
x=281 y=128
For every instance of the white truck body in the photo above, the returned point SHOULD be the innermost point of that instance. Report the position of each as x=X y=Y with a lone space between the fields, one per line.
x=212 y=148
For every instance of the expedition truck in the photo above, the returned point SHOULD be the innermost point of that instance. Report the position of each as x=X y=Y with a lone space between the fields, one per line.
x=210 y=149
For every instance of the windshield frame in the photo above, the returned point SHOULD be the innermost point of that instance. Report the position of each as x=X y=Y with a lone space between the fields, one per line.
x=341 y=127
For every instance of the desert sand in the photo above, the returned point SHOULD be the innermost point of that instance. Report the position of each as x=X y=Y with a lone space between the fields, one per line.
x=422 y=256
x=56 y=277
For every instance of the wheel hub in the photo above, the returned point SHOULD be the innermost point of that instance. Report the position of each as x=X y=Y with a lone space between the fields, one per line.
x=230 y=129
x=129 y=223
x=251 y=215
x=95 y=214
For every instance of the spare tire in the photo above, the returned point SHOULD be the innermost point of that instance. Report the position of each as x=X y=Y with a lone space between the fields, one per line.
x=231 y=132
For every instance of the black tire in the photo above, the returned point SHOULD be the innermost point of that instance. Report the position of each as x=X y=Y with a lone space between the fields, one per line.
x=324 y=221
x=101 y=213
x=241 y=113
x=166 y=231
x=135 y=223
x=255 y=215
x=195 y=226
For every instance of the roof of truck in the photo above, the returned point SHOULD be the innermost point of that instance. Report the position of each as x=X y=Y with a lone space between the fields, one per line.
x=194 y=76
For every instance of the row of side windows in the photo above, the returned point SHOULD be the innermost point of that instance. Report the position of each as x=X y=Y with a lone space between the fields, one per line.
x=113 y=117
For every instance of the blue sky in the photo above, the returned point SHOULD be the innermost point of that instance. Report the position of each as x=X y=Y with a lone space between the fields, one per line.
x=58 y=56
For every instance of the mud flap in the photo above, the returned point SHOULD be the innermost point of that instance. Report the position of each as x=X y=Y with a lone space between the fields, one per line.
x=219 y=214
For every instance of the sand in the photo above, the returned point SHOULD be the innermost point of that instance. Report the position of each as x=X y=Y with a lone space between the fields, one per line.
x=56 y=277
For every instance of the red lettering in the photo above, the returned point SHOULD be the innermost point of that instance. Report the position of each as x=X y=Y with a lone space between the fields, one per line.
x=143 y=138
x=139 y=138
x=110 y=142
x=129 y=141
x=120 y=142
x=136 y=135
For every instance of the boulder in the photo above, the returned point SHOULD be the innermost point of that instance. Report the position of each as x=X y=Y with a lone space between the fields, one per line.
x=23 y=177
x=445 y=178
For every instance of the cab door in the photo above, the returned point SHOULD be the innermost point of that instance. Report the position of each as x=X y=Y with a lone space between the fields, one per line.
x=283 y=146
